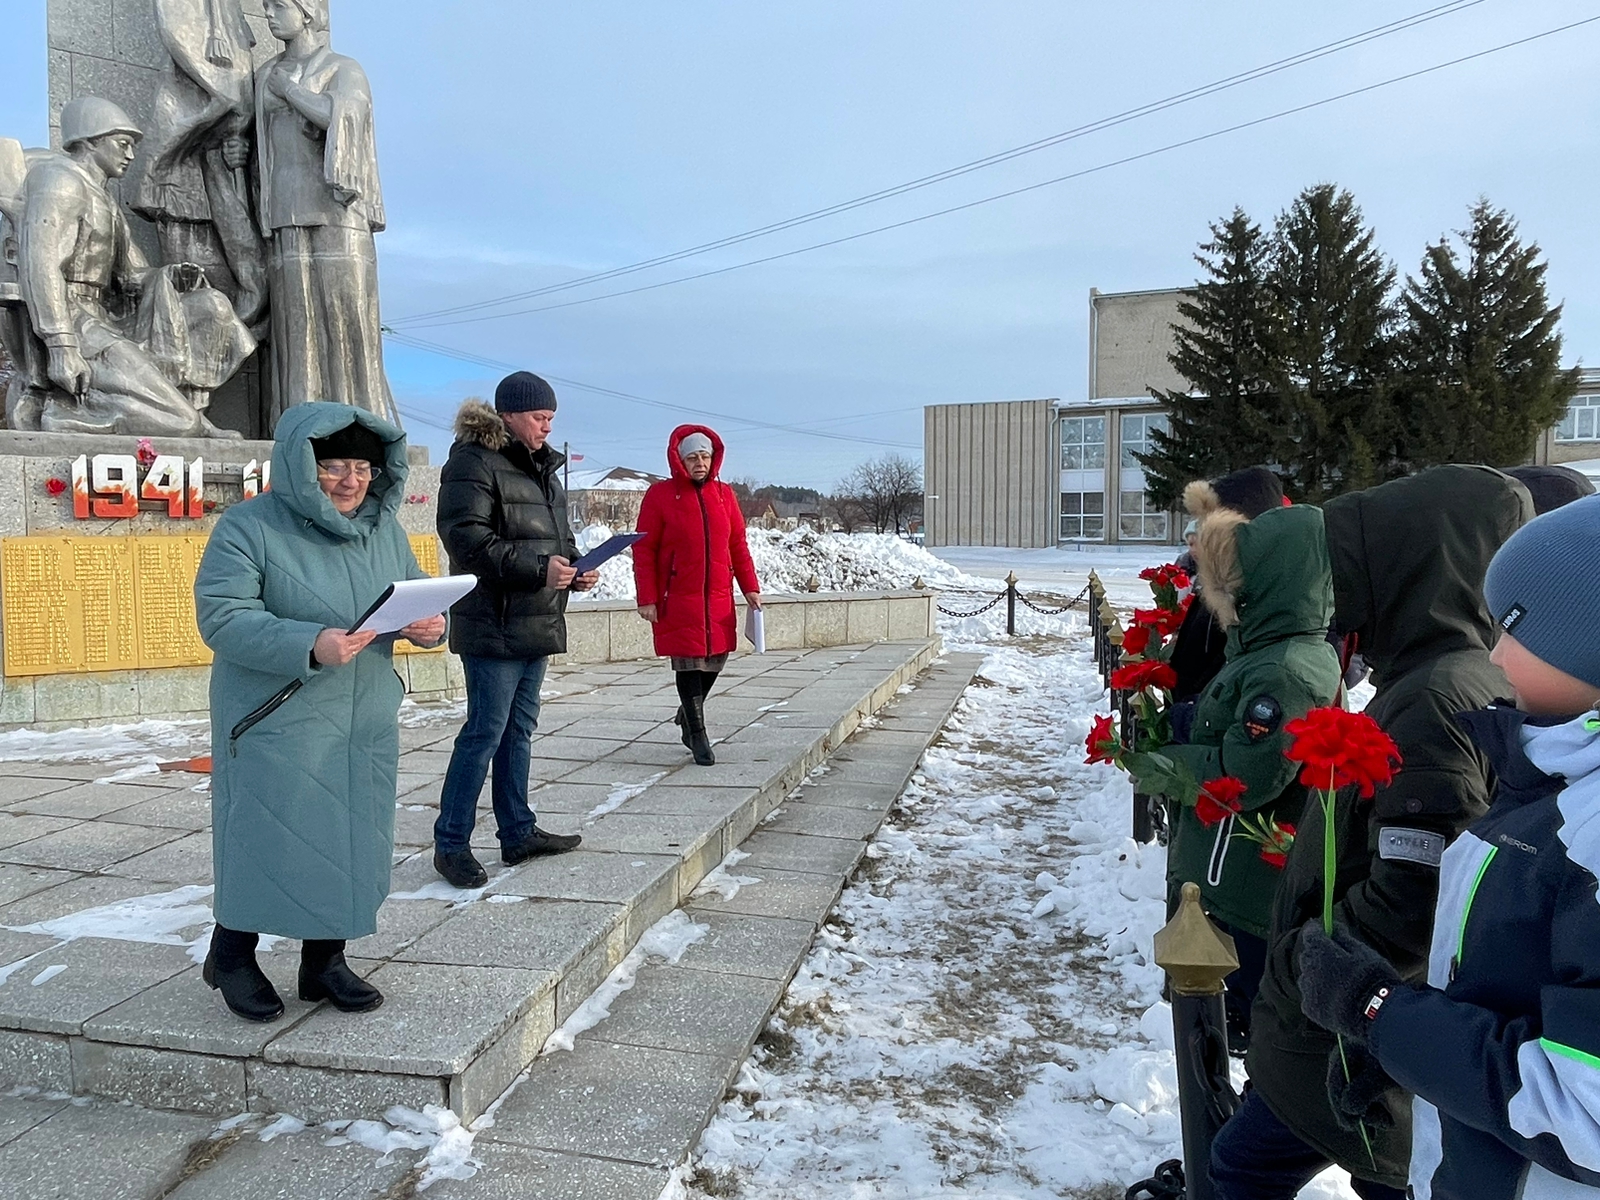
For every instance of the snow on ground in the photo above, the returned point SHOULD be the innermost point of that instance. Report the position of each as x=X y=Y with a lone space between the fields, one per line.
x=1065 y=568
x=786 y=561
x=980 y=1016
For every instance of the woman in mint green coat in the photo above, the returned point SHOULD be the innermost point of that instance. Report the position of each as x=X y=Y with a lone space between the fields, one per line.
x=302 y=791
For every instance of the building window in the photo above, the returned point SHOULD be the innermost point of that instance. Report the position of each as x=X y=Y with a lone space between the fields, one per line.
x=1083 y=515
x=1139 y=520
x=1582 y=422
x=1136 y=439
x=1083 y=443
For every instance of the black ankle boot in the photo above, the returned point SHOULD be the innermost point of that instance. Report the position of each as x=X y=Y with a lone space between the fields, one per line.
x=324 y=975
x=231 y=969
x=694 y=725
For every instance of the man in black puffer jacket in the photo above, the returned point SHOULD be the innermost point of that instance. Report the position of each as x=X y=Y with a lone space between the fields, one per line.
x=503 y=518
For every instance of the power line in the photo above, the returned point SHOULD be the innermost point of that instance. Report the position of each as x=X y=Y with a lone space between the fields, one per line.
x=1032 y=187
x=1156 y=106
x=417 y=343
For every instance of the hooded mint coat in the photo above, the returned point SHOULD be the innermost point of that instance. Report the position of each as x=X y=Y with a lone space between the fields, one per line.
x=303 y=801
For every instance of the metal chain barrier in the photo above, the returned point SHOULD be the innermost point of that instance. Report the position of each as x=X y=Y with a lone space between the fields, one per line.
x=975 y=612
x=1056 y=612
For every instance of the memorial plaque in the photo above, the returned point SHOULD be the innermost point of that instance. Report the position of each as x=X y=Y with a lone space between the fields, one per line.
x=68 y=604
x=163 y=580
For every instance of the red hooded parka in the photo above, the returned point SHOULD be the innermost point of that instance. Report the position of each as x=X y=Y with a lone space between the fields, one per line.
x=693 y=549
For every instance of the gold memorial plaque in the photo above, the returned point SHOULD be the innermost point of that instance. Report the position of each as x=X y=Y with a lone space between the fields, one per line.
x=77 y=604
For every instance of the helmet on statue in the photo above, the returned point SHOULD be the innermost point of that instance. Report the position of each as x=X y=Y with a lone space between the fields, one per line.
x=90 y=117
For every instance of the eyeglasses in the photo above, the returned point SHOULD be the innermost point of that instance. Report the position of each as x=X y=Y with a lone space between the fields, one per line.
x=343 y=470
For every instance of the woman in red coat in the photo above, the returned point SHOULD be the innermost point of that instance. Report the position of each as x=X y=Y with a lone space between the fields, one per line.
x=683 y=571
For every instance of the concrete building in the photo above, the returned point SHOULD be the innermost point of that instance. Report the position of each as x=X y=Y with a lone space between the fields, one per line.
x=1050 y=472
x=1043 y=472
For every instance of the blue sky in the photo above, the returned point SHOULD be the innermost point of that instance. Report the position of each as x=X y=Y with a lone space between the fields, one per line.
x=525 y=143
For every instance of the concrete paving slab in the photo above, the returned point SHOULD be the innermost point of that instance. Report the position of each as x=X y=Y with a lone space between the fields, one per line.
x=182 y=1013
x=565 y=745
x=99 y=975
x=315 y=1095
x=434 y=1020
x=619 y=1102
x=20 y=1114
x=84 y=801
x=17 y=828
x=648 y=833
x=513 y=1173
x=794 y=895
x=181 y=809
x=773 y=851
x=615 y=774
x=700 y=1012
x=16 y=788
x=828 y=792
x=85 y=846
x=578 y=799
x=547 y=934
x=817 y=820
x=165 y=1079
x=19 y=881
x=400 y=923
x=591 y=875
x=78 y=893
x=295 y=1167
x=185 y=860
x=100 y=1152
x=763 y=947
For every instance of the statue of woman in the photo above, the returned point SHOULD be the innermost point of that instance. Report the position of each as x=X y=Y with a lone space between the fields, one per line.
x=320 y=205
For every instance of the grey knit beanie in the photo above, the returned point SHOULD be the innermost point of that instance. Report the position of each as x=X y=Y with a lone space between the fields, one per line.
x=1540 y=589
x=694 y=442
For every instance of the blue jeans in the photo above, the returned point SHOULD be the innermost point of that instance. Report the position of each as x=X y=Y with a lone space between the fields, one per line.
x=502 y=713
x=1255 y=1156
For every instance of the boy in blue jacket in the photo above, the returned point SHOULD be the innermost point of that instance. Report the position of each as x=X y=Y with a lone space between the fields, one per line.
x=1502 y=1047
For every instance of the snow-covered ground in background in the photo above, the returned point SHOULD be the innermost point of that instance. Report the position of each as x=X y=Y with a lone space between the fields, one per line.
x=980 y=1017
x=785 y=562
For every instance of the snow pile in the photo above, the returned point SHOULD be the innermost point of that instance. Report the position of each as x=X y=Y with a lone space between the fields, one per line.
x=141 y=744
x=786 y=561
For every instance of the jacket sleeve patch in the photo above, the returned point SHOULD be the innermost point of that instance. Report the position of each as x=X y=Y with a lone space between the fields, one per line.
x=1262 y=716
x=1399 y=844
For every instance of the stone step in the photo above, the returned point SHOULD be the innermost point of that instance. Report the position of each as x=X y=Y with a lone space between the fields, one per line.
x=474 y=983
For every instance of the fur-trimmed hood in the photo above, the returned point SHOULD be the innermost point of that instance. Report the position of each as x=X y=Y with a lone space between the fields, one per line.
x=478 y=424
x=1266 y=579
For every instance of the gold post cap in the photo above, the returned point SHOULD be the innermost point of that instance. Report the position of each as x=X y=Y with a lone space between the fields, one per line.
x=1194 y=953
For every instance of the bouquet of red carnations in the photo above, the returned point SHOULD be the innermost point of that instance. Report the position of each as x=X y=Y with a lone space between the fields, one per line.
x=1146 y=672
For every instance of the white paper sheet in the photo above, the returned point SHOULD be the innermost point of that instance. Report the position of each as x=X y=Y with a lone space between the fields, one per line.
x=755 y=628
x=411 y=600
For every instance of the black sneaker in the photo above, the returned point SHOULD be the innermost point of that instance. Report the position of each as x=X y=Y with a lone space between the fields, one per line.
x=460 y=869
x=537 y=843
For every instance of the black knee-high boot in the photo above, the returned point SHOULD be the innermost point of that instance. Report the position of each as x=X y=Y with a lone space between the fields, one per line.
x=690 y=691
x=324 y=975
x=688 y=688
x=231 y=969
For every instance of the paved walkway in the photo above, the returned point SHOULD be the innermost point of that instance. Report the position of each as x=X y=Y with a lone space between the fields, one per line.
x=476 y=981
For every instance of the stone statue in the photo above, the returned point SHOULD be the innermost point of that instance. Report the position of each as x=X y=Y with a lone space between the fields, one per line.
x=320 y=205
x=112 y=345
x=194 y=182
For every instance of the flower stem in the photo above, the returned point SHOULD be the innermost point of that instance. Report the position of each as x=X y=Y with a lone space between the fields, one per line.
x=1330 y=858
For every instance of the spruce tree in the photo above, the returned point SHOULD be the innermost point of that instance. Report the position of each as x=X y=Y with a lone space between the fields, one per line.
x=1225 y=420
x=1479 y=353
x=1330 y=347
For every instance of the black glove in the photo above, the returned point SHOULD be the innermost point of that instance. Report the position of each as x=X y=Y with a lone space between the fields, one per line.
x=1338 y=978
x=1358 y=1100
x=1182 y=717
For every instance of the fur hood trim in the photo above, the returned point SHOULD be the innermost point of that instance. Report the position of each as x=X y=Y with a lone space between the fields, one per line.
x=1216 y=554
x=478 y=423
x=1200 y=499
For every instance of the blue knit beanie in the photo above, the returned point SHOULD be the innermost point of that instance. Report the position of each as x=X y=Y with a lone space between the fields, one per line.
x=1541 y=588
x=524 y=392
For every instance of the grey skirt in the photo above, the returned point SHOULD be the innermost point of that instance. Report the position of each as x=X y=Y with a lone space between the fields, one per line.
x=713 y=665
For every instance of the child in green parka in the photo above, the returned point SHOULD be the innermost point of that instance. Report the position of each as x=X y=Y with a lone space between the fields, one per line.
x=1269 y=584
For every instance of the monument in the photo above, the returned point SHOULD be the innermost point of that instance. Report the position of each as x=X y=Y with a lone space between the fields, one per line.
x=192 y=255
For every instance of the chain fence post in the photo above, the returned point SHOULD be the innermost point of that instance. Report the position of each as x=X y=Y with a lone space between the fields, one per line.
x=1011 y=604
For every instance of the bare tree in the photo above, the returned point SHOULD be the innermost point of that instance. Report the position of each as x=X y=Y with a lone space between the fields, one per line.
x=888 y=491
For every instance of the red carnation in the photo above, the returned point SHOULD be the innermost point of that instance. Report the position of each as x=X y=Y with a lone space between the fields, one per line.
x=146 y=453
x=1340 y=749
x=1165 y=621
x=1136 y=639
x=1135 y=677
x=1275 y=858
x=55 y=486
x=1218 y=800
x=1102 y=742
